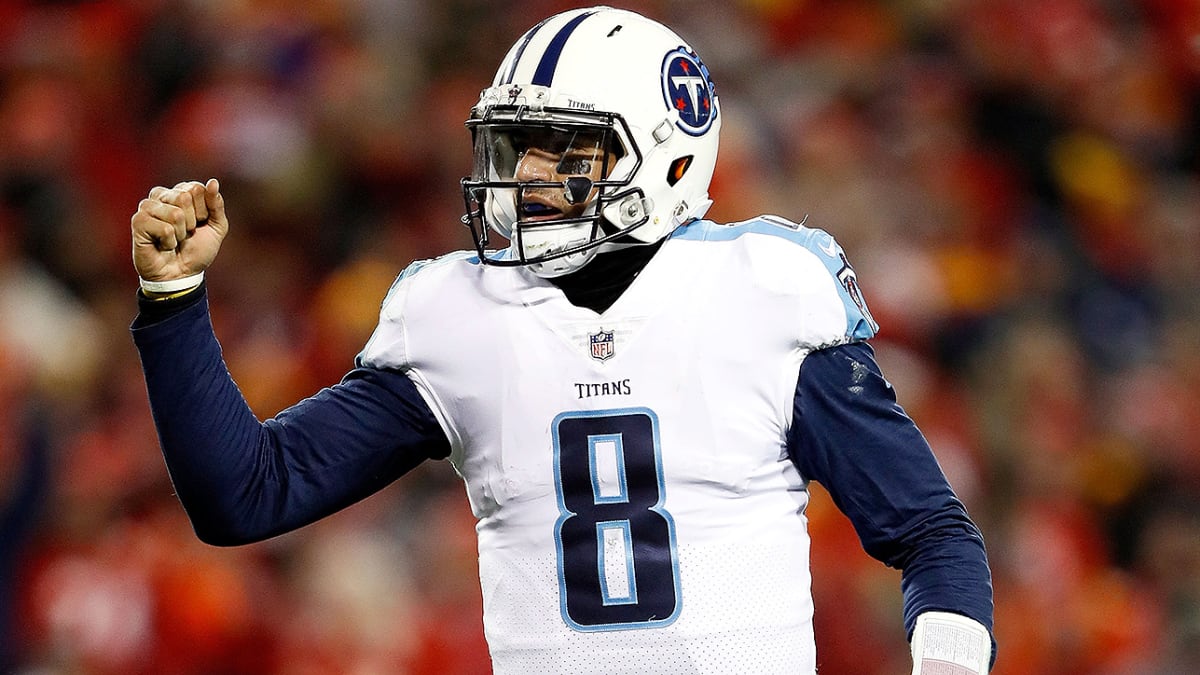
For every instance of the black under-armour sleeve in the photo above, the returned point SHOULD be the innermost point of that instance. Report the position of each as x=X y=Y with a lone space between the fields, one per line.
x=242 y=480
x=850 y=435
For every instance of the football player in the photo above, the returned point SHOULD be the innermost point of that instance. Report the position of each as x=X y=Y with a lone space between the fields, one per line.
x=636 y=398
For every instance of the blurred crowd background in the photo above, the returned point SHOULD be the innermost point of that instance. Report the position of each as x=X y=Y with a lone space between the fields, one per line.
x=1016 y=182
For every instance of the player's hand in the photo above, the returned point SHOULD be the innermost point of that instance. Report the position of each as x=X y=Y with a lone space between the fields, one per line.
x=178 y=231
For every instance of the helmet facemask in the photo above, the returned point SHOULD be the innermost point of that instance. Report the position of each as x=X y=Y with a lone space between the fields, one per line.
x=544 y=179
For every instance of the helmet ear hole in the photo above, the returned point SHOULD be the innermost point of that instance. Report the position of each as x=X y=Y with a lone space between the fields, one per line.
x=678 y=168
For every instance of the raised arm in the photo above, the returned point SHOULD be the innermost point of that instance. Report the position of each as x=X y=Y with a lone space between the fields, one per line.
x=240 y=479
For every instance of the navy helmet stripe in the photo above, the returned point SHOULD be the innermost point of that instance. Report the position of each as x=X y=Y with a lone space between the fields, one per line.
x=544 y=75
x=512 y=68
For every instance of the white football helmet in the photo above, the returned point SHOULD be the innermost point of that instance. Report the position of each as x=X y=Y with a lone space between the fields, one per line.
x=627 y=112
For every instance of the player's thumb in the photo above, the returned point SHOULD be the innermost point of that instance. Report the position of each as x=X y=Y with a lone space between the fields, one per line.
x=215 y=202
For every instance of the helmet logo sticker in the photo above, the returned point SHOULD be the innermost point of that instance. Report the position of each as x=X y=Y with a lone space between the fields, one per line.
x=688 y=89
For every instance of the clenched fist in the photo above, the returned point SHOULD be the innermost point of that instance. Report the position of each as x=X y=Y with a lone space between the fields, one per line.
x=178 y=231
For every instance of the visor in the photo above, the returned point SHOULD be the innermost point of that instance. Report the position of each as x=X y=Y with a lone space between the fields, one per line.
x=580 y=151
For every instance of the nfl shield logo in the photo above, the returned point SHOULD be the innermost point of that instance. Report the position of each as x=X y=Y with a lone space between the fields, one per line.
x=602 y=345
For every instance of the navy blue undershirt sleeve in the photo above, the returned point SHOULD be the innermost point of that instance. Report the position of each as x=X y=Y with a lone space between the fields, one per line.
x=243 y=480
x=850 y=435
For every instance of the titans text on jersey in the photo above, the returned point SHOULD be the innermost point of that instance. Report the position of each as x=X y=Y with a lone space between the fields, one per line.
x=613 y=388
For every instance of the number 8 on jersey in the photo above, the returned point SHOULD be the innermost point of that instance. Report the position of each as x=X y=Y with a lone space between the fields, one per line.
x=618 y=567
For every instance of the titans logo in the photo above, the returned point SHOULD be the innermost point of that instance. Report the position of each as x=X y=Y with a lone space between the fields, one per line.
x=688 y=89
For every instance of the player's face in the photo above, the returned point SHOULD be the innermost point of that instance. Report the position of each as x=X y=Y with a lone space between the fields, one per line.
x=557 y=157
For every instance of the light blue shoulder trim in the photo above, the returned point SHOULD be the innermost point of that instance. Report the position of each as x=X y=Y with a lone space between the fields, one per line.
x=413 y=268
x=860 y=325
x=418 y=265
x=707 y=230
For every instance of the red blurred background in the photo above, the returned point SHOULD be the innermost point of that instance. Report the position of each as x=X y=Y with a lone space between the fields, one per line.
x=1015 y=180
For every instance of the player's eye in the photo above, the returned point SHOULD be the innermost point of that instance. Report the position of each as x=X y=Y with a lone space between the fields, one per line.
x=575 y=165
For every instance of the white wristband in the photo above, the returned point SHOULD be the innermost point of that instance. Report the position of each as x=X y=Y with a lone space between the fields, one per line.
x=172 y=285
x=950 y=644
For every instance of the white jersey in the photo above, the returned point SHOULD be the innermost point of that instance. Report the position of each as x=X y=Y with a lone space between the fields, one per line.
x=637 y=511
